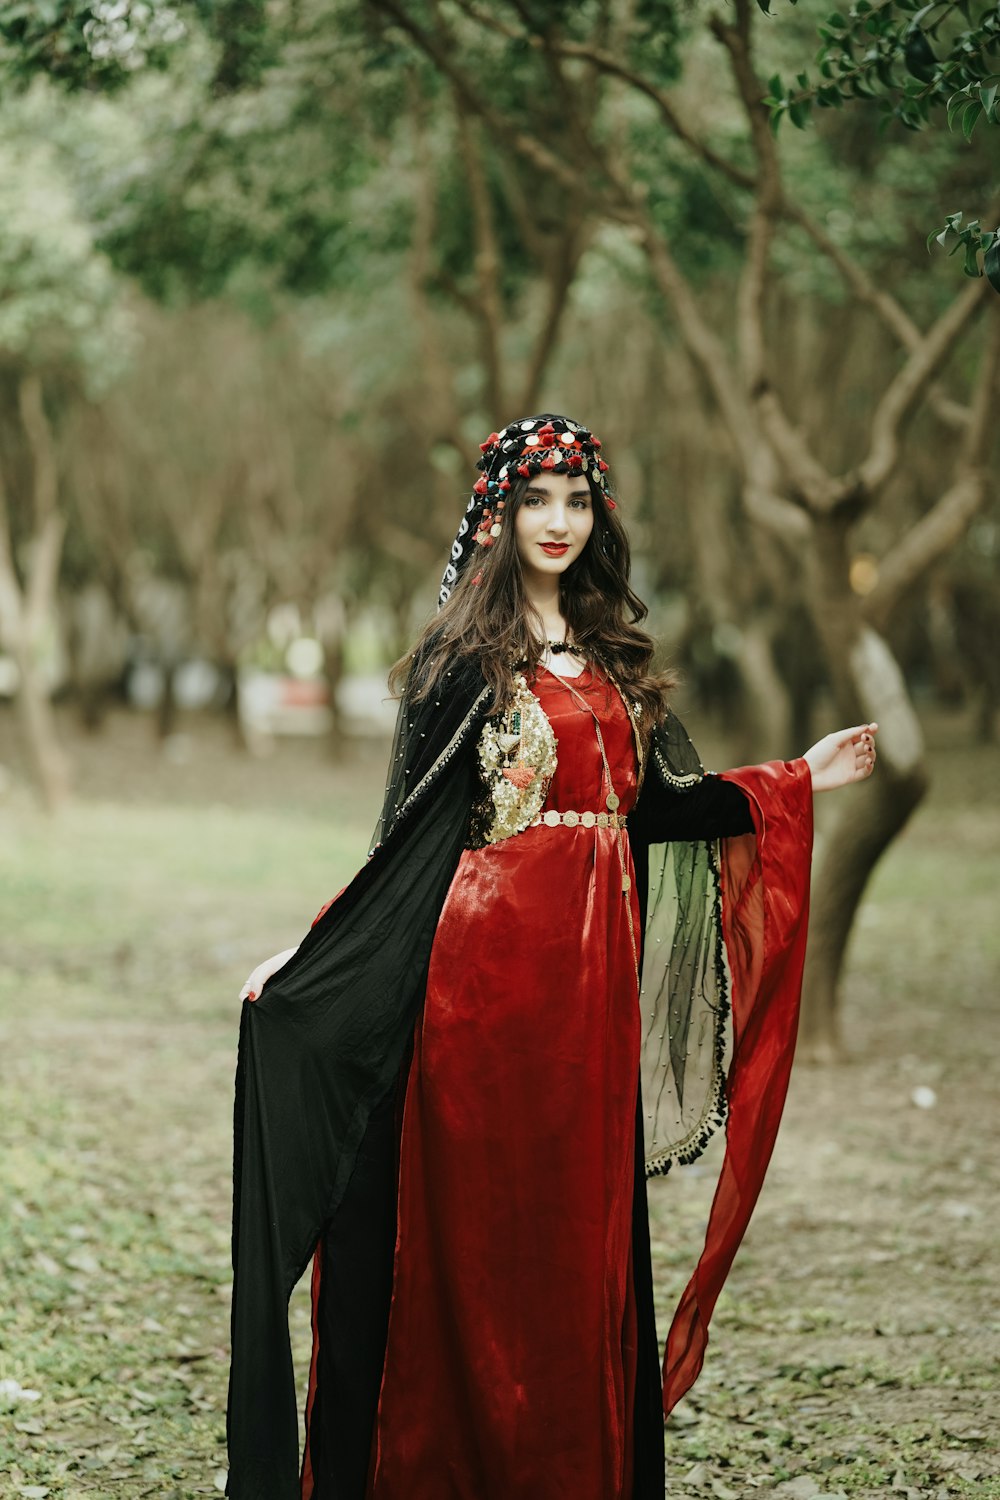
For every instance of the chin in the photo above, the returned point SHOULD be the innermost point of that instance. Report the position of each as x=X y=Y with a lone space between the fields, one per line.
x=548 y=567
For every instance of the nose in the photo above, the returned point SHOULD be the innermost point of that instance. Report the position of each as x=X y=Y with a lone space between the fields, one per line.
x=556 y=520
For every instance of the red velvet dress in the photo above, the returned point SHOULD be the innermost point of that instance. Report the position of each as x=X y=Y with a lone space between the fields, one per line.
x=510 y=1360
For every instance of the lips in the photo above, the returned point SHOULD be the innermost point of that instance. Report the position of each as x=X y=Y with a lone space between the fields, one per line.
x=554 y=549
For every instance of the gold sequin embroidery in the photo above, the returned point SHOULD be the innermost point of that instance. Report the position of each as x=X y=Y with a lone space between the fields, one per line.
x=517 y=756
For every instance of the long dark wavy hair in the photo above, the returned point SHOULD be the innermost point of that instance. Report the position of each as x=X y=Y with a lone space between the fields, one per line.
x=489 y=617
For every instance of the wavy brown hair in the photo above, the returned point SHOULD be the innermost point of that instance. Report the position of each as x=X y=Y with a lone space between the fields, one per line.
x=493 y=621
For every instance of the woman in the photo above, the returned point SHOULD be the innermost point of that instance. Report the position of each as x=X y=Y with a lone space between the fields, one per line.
x=438 y=1092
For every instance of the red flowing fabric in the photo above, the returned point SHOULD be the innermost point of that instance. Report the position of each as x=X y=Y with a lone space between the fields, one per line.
x=512 y=1338
x=510 y=1362
x=765 y=910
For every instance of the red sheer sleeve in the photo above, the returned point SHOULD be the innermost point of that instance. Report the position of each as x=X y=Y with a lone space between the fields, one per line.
x=765 y=908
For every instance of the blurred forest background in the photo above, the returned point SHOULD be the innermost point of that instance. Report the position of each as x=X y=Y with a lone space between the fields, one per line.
x=269 y=273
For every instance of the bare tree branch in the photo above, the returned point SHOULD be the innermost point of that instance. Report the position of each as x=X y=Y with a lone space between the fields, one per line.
x=487 y=303
x=615 y=67
x=811 y=483
x=703 y=344
x=10 y=588
x=904 y=392
x=39 y=434
x=947 y=520
x=561 y=270
x=708 y=351
x=49 y=525
x=890 y=311
x=533 y=238
x=885 y=306
x=437 y=50
x=767 y=201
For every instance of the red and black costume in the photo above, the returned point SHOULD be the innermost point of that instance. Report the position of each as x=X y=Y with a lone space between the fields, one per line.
x=450 y=1096
x=523 y=1256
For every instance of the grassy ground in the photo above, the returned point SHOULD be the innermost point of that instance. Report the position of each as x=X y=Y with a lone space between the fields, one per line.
x=854 y=1351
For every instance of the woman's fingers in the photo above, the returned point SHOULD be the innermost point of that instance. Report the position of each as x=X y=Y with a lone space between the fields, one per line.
x=862 y=736
x=844 y=756
x=259 y=976
x=861 y=733
x=255 y=983
x=866 y=749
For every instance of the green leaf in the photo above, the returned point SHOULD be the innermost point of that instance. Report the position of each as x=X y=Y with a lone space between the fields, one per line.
x=798 y=113
x=956 y=104
x=829 y=98
x=972 y=112
x=774 y=85
x=918 y=56
x=987 y=97
x=765 y=6
x=991 y=265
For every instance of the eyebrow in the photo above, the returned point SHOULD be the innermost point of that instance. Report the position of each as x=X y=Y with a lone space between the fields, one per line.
x=541 y=489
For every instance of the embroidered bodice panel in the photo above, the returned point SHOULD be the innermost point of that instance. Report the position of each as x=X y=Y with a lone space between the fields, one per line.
x=542 y=753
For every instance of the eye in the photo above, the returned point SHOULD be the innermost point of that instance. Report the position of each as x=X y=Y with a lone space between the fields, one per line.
x=580 y=504
x=533 y=500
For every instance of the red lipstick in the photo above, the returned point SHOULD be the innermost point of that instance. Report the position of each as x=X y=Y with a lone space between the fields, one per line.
x=554 y=549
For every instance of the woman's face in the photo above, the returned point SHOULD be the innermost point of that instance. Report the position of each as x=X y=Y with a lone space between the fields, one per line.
x=553 y=522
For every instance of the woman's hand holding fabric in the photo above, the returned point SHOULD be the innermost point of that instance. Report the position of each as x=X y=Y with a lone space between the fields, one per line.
x=263 y=972
x=840 y=758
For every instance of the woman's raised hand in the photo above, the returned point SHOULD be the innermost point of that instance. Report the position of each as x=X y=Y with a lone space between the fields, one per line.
x=842 y=757
x=263 y=972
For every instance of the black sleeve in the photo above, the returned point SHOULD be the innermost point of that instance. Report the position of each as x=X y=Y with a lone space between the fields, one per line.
x=711 y=809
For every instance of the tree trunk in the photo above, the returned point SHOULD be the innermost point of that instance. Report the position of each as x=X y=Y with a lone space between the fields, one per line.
x=166 y=709
x=764 y=709
x=869 y=687
x=333 y=670
x=27 y=606
x=38 y=724
x=986 y=715
x=864 y=829
x=767 y=720
x=230 y=703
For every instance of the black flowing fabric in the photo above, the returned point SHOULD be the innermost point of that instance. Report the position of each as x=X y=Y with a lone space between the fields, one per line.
x=325 y=1045
x=318 y=1051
